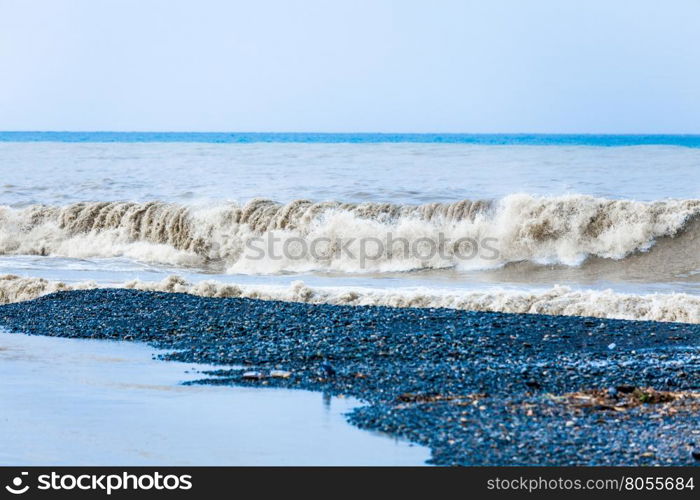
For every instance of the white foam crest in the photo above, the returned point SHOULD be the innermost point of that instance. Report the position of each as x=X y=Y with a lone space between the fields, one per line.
x=265 y=237
x=558 y=300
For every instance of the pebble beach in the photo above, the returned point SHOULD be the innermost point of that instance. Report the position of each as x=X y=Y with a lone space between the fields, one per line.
x=477 y=388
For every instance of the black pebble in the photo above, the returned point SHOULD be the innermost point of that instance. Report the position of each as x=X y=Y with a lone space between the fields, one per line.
x=328 y=369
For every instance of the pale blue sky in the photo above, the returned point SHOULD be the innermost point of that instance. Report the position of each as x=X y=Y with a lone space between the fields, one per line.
x=339 y=66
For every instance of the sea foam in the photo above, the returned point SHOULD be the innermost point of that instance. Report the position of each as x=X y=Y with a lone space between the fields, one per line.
x=558 y=300
x=563 y=230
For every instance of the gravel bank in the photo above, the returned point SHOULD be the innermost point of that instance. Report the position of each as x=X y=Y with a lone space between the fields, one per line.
x=477 y=388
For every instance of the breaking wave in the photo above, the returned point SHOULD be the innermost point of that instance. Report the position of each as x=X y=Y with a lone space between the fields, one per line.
x=564 y=230
x=559 y=300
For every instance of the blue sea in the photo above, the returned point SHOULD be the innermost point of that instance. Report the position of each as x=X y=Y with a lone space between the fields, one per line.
x=689 y=141
x=600 y=225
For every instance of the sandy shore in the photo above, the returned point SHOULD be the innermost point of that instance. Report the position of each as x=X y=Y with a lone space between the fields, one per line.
x=477 y=388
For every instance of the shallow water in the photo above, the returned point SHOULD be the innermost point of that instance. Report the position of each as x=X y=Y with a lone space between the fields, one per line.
x=98 y=402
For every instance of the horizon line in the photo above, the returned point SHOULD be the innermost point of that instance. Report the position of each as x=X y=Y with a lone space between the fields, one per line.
x=302 y=132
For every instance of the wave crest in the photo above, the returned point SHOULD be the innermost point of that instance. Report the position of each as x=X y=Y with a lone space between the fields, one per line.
x=563 y=230
x=558 y=300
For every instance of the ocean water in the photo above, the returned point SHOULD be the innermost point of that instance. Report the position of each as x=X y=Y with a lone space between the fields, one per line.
x=594 y=225
x=111 y=404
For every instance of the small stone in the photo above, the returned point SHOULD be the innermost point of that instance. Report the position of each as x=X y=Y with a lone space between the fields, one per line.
x=612 y=345
x=570 y=423
x=280 y=374
x=612 y=392
x=252 y=375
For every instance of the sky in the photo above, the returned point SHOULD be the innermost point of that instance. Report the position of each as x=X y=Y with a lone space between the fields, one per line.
x=485 y=66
